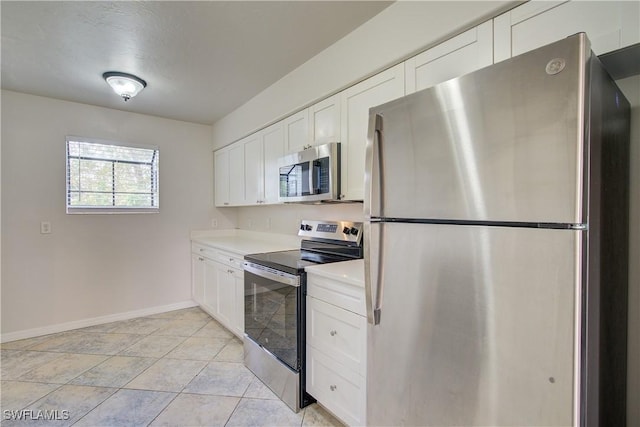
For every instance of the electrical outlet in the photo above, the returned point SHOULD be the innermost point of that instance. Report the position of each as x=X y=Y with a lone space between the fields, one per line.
x=214 y=223
x=45 y=227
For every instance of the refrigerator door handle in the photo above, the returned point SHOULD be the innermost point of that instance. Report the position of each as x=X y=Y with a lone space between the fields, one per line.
x=373 y=207
x=373 y=191
x=372 y=258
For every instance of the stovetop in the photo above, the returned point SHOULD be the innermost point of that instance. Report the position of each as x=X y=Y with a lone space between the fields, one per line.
x=329 y=241
x=294 y=261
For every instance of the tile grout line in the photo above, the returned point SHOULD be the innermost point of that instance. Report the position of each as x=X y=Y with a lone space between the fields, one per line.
x=228 y=342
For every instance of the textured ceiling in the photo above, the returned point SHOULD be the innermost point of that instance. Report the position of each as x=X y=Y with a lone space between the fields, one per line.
x=201 y=60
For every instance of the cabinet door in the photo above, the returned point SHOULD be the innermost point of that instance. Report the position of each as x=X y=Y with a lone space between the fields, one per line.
x=356 y=101
x=226 y=301
x=210 y=296
x=324 y=121
x=238 y=324
x=460 y=55
x=337 y=388
x=197 y=278
x=338 y=333
x=296 y=131
x=236 y=174
x=253 y=170
x=221 y=174
x=273 y=149
x=609 y=25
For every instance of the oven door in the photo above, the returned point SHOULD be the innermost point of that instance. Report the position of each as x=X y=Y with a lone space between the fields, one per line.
x=272 y=310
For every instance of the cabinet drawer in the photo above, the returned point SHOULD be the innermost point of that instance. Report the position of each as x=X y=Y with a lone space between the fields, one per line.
x=204 y=251
x=339 y=389
x=230 y=259
x=338 y=333
x=341 y=294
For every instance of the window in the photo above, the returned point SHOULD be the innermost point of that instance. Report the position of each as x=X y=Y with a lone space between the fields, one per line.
x=109 y=177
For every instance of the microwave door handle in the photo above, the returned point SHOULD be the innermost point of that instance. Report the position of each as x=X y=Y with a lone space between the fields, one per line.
x=315 y=174
x=312 y=181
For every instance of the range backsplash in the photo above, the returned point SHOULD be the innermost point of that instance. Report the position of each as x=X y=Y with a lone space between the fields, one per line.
x=286 y=218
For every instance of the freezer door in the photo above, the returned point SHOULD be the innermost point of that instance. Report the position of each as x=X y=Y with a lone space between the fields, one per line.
x=477 y=327
x=504 y=143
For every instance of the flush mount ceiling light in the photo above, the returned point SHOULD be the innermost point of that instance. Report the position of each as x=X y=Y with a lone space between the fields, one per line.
x=125 y=85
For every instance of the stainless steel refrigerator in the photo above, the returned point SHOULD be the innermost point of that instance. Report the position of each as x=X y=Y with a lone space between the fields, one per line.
x=496 y=247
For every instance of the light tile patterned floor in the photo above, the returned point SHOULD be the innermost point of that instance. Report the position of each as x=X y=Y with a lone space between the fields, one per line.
x=179 y=368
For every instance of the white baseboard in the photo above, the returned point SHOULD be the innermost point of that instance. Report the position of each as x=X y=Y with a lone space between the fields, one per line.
x=67 y=326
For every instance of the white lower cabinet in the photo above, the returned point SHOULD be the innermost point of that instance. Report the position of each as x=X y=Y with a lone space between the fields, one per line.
x=197 y=277
x=336 y=344
x=337 y=388
x=337 y=332
x=218 y=286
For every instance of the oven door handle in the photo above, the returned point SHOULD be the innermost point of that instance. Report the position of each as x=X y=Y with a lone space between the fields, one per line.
x=271 y=274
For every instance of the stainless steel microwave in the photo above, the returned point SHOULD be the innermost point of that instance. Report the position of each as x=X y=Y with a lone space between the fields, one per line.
x=312 y=175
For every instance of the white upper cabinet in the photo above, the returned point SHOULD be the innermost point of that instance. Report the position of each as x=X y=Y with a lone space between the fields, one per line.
x=356 y=101
x=253 y=169
x=296 y=131
x=236 y=174
x=316 y=125
x=221 y=173
x=273 y=149
x=460 y=55
x=246 y=172
x=324 y=121
x=609 y=25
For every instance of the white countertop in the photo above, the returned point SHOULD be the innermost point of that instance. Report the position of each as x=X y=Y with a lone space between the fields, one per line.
x=351 y=272
x=245 y=242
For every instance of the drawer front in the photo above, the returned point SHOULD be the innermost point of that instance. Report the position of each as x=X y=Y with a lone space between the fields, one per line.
x=204 y=251
x=339 y=389
x=338 y=333
x=230 y=259
x=334 y=292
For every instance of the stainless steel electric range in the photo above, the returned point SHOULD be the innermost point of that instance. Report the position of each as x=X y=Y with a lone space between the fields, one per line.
x=274 y=305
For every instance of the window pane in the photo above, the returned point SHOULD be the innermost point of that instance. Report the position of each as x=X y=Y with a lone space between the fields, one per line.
x=74 y=174
x=131 y=199
x=93 y=199
x=101 y=175
x=133 y=177
x=95 y=176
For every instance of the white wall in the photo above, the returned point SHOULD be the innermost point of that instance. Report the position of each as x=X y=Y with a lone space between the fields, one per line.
x=396 y=33
x=93 y=265
x=285 y=219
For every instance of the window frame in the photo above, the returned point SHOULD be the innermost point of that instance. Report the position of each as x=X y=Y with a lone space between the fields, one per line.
x=87 y=209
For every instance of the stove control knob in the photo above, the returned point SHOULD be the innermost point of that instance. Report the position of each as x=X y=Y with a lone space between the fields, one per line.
x=346 y=230
x=302 y=227
x=354 y=231
x=308 y=227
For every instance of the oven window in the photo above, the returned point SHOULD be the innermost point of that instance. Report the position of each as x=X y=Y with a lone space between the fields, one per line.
x=271 y=316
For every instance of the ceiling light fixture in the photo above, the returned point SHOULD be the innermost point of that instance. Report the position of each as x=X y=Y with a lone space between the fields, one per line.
x=125 y=85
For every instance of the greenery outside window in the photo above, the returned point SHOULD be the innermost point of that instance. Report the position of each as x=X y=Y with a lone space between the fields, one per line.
x=110 y=177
